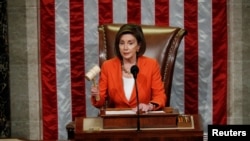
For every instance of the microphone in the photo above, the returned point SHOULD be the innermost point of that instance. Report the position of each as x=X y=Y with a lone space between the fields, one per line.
x=134 y=70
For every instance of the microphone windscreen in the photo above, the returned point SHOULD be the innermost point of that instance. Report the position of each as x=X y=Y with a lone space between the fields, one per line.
x=134 y=70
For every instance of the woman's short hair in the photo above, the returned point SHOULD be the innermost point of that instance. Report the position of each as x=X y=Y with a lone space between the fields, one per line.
x=137 y=32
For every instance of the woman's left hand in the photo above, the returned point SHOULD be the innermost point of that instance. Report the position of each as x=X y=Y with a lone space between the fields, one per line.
x=144 y=107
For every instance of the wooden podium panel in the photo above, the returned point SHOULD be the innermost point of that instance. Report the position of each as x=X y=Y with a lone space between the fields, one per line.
x=145 y=134
x=154 y=119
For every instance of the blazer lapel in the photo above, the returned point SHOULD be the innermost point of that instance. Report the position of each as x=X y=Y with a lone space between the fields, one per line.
x=117 y=76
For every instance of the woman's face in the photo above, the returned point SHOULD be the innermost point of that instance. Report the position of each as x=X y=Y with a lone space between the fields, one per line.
x=128 y=46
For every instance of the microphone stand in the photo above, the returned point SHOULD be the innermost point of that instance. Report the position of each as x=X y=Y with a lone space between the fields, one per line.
x=138 y=112
x=134 y=70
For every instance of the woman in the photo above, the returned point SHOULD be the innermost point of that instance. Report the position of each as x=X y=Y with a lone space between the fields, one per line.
x=117 y=83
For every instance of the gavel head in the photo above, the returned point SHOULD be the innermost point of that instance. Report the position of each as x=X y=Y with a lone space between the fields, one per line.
x=92 y=72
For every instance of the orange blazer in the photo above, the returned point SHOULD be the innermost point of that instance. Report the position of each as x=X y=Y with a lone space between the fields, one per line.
x=149 y=84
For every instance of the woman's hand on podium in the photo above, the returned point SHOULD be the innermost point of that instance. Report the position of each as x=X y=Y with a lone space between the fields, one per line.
x=144 y=108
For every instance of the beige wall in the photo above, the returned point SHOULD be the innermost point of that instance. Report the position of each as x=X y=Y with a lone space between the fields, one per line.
x=24 y=85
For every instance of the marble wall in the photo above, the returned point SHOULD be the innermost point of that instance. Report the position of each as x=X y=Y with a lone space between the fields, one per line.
x=24 y=73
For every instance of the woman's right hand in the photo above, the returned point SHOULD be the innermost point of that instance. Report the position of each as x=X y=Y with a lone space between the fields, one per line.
x=95 y=92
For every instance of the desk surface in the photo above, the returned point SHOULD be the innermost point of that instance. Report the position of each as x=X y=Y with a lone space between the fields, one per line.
x=178 y=134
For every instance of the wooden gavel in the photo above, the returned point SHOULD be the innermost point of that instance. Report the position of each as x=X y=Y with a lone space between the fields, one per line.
x=90 y=76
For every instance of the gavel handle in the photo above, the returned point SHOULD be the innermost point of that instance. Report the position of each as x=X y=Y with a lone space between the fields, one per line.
x=97 y=98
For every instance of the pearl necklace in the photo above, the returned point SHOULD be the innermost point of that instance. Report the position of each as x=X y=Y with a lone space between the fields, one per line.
x=123 y=69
